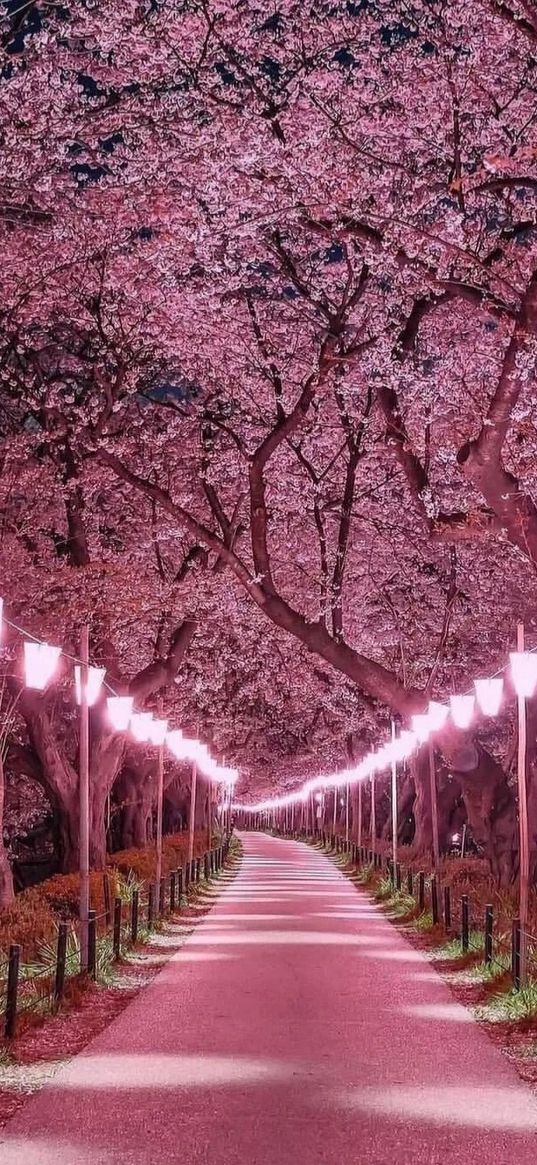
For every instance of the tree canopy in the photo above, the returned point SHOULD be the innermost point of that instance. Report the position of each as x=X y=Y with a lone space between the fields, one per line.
x=267 y=358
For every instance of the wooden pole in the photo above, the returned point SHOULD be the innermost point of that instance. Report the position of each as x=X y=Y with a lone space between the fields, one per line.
x=373 y=814
x=335 y=811
x=394 y=805
x=83 y=793
x=434 y=805
x=160 y=805
x=360 y=814
x=192 y=815
x=347 y=814
x=523 y=832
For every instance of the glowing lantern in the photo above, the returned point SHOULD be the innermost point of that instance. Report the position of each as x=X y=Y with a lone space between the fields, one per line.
x=157 y=731
x=421 y=727
x=119 y=712
x=462 y=710
x=524 y=672
x=95 y=682
x=438 y=714
x=40 y=663
x=140 y=726
x=489 y=695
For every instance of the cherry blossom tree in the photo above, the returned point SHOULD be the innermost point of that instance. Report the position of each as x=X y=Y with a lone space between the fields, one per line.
x=270 y=285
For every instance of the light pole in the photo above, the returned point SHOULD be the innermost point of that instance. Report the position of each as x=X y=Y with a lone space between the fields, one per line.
x=394 y=803
x=83 y=792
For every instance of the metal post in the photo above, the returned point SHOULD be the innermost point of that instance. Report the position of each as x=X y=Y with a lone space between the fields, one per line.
x=447 y=908
x=394 y=800
x=523 y=832
x=92 y=944
x=373 y=818
x=160 y=804
x=434 y=805
x=117 y=928
x=489 y=923
x=61 y=955
x=434 y=900
x=10 y=1022
x=134 y=916
x=192 y=815
x=465 y=923
x=83 y=796
x=515 y=954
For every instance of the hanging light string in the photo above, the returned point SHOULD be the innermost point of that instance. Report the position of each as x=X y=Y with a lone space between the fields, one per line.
x=40 y=665
x=487 y=694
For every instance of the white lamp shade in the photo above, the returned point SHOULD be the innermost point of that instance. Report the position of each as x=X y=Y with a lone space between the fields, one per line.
x=438 y=714
x=524 y=672
x=140 y=726
x=40 y=663
x=95 y=682
x=157 y=731
x=462 y=710
x=119 y=712
x=489 y=695
x=421 y=726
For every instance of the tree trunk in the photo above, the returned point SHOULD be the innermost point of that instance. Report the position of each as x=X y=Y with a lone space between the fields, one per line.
x=66 y=819
x=134 y=792
x=423 y=828
x=490 y=807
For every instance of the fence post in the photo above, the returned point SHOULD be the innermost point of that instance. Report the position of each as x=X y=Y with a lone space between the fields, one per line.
x=12 y=991
x=489 y=923
x=186 y=877
x=134 y=916
x=206 y=868
x=180 y=886
x=515 y=954
x=92 y=944
x=421 y=891
x=172 y=892
x=107 y=900
x=198 y=870
x=150 y=904
x=117 y=928
x=465 y=923
x=397 y=876
x=434 y=900
x=162 y=896
x=410 y=884
x=61 y=954
x=447 y=909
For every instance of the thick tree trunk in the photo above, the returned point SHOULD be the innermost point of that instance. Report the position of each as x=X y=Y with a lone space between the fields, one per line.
x=134 y=791
x=66 y=819
x=423 y=828
x=490 y=807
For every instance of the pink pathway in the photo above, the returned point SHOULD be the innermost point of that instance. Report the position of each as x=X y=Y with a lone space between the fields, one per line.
x=295 y=1026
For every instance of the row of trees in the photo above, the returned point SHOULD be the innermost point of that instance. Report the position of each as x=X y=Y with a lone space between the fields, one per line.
x=267 y=354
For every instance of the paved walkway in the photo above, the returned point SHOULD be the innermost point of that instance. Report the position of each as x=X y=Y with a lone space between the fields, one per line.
x=296 y=1026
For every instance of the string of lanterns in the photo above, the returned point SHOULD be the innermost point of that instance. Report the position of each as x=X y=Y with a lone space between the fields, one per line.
x=40 y=663
x=486 y=698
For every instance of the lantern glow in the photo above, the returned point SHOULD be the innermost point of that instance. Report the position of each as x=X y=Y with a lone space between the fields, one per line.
x=40 y=663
